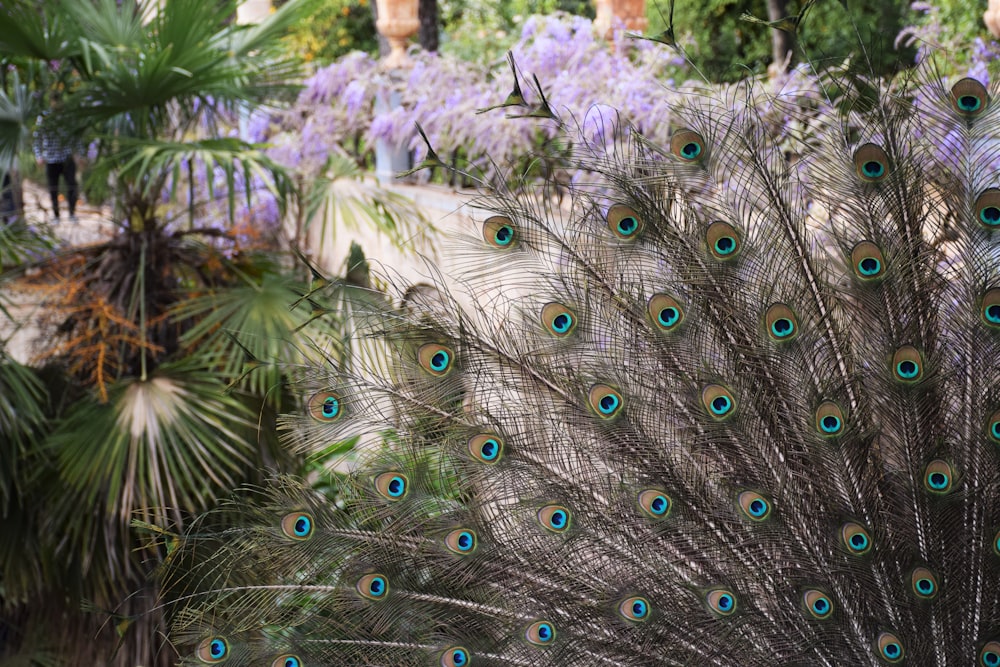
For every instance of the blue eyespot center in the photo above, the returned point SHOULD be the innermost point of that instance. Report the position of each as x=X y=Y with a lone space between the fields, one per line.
x=907 y=369
x=465 y=541
x=217 y=648
x=925 y=586
x=331 y=407
x=558 y=519
x=830 y=424
x=609 y=403
x=459 y=657
x=969 y=103
x=639 y=609
x=873 y=169
x=659 y=505
x=302 y=526
x=439 y=361
x=758 y=507
x=669 y=316
x=377 y=587
x=545 y=632
x=991 y=658
x=995 y=429
x=291 y=662
x=892 y=650
x=869 y=266
x=990 y=215
x=821 y=606
x=782 y=327
x=396 y=487
x=859 y=542
x=562 y=323
x=490 y=449
x=504 y=235
x=937 y=480
x=993 y=314
x=725 y=245
x=691 y=150
x=721 y=405
x=628 y=225
x=725 y=602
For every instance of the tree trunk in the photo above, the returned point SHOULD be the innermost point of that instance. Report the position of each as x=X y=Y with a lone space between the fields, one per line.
x=782 y=42
x=429 y=25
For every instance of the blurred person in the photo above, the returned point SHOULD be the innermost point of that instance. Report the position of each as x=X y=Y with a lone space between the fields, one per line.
x=55 y=147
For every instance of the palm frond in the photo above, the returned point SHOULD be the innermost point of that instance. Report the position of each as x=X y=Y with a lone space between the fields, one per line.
x=340 y=195
x=16 y=113
x=22 y=422
x=35 y=30
x=149 y=161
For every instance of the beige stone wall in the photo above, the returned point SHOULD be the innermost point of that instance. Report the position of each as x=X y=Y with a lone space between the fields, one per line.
x=252 y=11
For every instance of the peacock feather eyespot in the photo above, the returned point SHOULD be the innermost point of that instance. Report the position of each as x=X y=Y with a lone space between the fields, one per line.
x=558 y=320
x=554 y=518
x=990 y=310
x=907 y=364
x=286 y=660
x=635 y=608
x=890 y=648
x=722 y=601
x=723 y=240
x=655 y=503
x=436 y=359
x=993 y=427
x=719 y=402
x=871 y=162
x=989 y=655
x=939 y=477
x=923 y=583
x=212 y=650
x=781 y=323
x=996 y=543
x=456 y=656
x=688 y=145
x=867 y=261
x=665 y=312
x=829 y=419
x=755 y=506
x=392 y=485
x=624 y=222
x=486 y=448
x=605 y=400
x=461 y=541
x=326 y=406
x=987 y=208
x=373 y=586
x=855 y=538
x=499 y=231
x=298 y=525
x=969 y=97
x=540 y=633
x=818 y=604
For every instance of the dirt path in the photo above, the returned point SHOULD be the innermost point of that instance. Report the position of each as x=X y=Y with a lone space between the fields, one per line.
x=93 y=225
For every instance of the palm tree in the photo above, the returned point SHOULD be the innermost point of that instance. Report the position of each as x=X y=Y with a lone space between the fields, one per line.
x=132 y=417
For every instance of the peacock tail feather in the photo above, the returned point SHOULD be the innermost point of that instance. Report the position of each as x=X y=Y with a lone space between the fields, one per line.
x=728 y=401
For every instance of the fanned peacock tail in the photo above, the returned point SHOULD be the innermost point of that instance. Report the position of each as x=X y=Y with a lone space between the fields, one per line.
x=729 y=401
